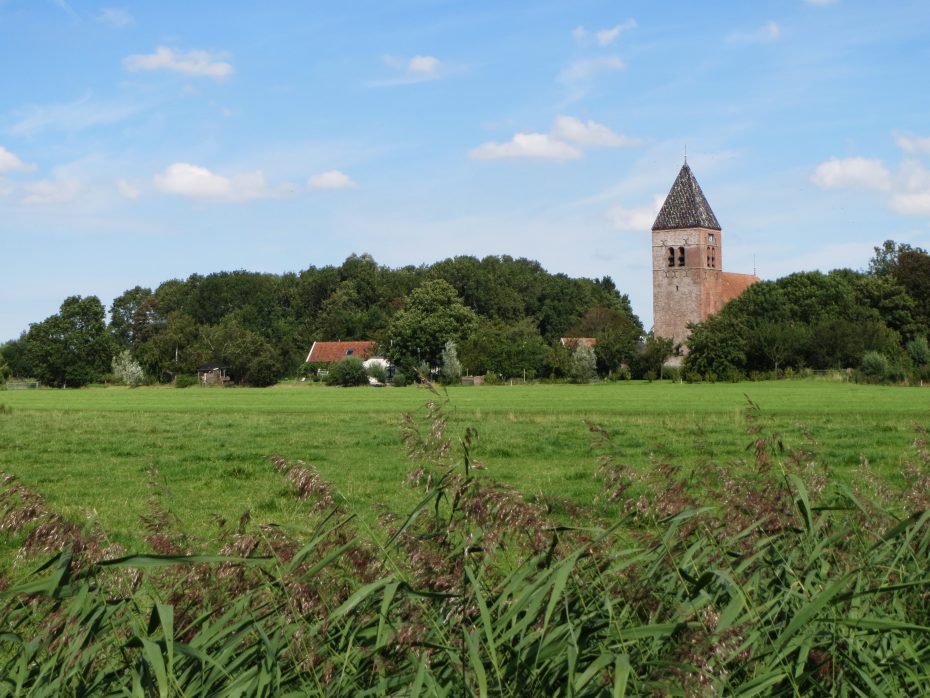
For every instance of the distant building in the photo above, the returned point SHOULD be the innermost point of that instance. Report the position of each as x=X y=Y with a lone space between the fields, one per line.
x=329 y=352
x=571 y=342
x=688 y=281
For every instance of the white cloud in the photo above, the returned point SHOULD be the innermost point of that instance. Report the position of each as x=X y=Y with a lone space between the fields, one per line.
x=537 y=146
x=11 y=163
x=415 y=69
x=82 y=113
x=854 y=173
x=117 y=17
x=127 y=190
x=766 y=34
x=606 y=37
x=197 y=182
x=636 y=219
x=560 y=143
x=332 y=179
x=50 y=191
x=917 y=203
x=913 y=145
x=579 y=32
x=197 y=63
x=568 y=128
x=579 y=71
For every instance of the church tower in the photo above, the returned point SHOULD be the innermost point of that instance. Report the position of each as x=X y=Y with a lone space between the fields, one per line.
x=688 y=281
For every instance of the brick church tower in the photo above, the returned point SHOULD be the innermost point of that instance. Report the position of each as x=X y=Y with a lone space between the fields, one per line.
x=688 y=281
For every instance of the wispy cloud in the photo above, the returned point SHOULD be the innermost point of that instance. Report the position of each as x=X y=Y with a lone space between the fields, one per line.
x=406 y=71
x=332 y=179
x=116 y=17
x=561 y=143
x=195 y=182
x=50 y=191
x=852 y=173
x=65 y=7
x=766 y=34
x=907 y=189
x=913 y=145
x=635 y=219
x=84 y=112
x=127 y=190
x=605 y=37
x=10 y=162
x=591 y=133
x=583 y=70
x=537 y=146
x=195 y=63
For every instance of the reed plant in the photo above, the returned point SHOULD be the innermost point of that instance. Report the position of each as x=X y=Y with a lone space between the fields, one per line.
x=688 y=582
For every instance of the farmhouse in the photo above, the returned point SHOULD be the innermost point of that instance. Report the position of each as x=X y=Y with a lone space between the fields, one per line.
x=688 y=281
x=330 y=352
x=571 y=342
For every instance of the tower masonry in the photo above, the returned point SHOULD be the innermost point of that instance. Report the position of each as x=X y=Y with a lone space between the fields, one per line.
x=688 y=281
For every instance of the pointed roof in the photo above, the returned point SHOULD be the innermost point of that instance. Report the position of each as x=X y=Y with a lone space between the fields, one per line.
x=685 y=205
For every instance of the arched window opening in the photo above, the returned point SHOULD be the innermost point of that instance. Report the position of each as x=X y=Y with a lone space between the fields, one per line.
x=671 y=256
x=681 y=256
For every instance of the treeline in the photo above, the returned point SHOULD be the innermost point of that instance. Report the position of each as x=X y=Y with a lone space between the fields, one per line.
x=506 y=316
x=876 y=321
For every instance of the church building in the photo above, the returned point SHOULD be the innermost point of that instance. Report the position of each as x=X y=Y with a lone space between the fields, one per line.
x=688 y=281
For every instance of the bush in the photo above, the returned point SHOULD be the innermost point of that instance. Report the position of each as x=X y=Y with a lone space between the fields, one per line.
x=127 y=370
x=582 y=366
x=650 y=376
x=451 y=373
x=348 y=372
x=185 y=380
x=377 y=371
x=919 y=351
x=492 y=378
x=400 y=379
x=875 y=367
x=671 y=373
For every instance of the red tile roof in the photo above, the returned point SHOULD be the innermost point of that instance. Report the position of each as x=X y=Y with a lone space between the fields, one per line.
x=734 y=284
x=327 y=352
x=572 y=342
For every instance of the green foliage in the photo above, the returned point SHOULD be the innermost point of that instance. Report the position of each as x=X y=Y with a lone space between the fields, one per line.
x=185 y=380
x=582 y=367
x=347 y=372
x=451 y=368
x=506 y=348
x=377 y=371
x=875 y=367
x=127 y=370
x=651 y=356
x=434 y=314
x=71 y=348
x=400 y=379
x=919 y=351
x=5 y=371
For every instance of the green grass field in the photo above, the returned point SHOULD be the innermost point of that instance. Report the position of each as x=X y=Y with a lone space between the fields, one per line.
x=88 y=451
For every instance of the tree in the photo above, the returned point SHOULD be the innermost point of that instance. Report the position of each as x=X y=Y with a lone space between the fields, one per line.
x=127 y=370
x=347 y=372
x=886 y=257
x=582 y=366
x=433 y=315
x=451 y=366
x=71 y=348
x=507 y=349
x=5 y=371
x=125 y=314
x=717 y=346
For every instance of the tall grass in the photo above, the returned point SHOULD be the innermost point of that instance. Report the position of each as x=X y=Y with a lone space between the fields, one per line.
x=696 y=582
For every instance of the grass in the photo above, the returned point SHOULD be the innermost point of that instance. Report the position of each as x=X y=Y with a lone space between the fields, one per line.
x=89 y=451
x=753 y=578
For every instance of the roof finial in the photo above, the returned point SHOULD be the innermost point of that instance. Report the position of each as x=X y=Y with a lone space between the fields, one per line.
x=686 y=153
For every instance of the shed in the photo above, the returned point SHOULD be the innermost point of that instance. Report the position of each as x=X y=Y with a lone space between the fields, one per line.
x=330 y=352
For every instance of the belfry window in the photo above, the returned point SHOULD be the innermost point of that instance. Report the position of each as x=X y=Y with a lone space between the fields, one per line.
x=671 y=256
x=681 y=256
x=710 y=238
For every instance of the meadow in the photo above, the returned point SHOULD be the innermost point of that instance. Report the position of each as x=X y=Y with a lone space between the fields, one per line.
x=90 y=451
x=620 y=539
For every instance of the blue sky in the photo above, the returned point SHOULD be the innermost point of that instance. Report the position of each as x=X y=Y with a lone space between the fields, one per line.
x=146 y=141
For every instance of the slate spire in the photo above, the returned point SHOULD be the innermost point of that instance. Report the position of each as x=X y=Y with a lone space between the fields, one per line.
x=685 y=205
